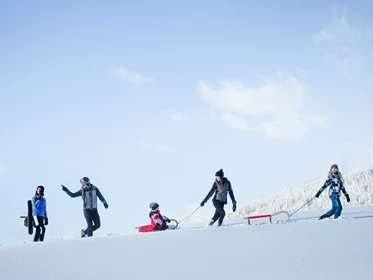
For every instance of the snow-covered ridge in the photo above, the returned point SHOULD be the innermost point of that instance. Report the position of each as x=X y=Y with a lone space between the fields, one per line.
x=359 y=185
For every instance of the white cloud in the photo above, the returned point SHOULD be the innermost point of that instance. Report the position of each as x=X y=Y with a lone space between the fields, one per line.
x=275 y=107
x=131 y=77
x=234 y=121
x=338 y=30
x=342 y=45
x=156 y=147
x=2 y=168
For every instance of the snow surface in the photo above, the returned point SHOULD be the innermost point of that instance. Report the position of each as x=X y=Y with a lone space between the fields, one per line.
x=304 y=248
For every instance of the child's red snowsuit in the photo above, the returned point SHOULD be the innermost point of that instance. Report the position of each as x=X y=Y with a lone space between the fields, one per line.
x=158 y=221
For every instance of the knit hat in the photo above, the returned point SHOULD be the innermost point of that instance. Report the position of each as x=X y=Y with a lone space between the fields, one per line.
x=41 y=190
x=85 y=180
x=334 y=166
x=154 y=206
x=219 y=173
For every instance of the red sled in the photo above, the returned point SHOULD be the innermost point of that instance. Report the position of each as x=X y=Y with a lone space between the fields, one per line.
x=150 y=228
x=147 y=228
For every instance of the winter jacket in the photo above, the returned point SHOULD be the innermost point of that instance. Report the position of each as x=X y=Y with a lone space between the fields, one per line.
x=39 y=206
x=89 y=196
x=221 y=192
x=335 y=185
x=157 y=219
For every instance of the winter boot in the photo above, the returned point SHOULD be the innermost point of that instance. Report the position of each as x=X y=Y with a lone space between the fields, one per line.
x=82 y=233
x=211 y=223
x=323 y=217
x=41 y=238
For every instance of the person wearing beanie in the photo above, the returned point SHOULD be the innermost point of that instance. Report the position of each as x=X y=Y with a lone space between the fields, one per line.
x=89 y=194
x=39 y=212
x=336 y=186
x=220 y=190
x=158 y=221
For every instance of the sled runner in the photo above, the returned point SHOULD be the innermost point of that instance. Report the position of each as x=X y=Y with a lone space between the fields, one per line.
x=249 y=218
x=28 y=220
x=149 y=228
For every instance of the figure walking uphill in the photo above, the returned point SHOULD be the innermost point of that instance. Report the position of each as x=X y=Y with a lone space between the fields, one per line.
x=220 y=190
x=158 y=221
x=39 y=212
x=336 y=185
x=89 y=194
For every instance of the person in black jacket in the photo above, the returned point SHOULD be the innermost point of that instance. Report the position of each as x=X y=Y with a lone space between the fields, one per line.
x=220 y=189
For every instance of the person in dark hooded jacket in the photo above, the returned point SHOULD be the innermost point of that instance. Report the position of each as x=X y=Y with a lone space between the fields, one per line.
x=89 y=194
x=220 y=190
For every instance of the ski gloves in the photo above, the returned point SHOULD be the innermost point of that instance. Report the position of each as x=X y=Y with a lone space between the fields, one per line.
x=106 y=205
x=45 y=221
x=233 y=208
x=318 y=194
x=64 y=188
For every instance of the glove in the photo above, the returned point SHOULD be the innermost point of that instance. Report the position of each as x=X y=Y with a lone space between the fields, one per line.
x=234 y=206
x=202 y=203
x=106 y=205
x=46 y=221
x=318 y=194
x=38 y=197
x=64 y=188
x=348 y=197
x=168 y=220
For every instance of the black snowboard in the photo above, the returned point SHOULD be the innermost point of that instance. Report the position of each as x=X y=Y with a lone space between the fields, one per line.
x=28 y=222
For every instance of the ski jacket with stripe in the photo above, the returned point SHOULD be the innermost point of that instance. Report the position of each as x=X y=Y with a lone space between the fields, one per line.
x=89 y=196
x=39 y=206
x=335 y=184
x=221 y=192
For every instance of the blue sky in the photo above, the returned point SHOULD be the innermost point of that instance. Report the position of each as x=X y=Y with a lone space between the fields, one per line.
x=150 y=99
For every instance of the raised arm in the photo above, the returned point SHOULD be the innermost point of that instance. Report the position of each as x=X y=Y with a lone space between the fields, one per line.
x=69 y=193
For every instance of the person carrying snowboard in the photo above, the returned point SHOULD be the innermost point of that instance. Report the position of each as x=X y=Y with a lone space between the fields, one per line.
x=220 y=189
x=89 y=194
x=39 y=212
x=158 y=221
x=336 y=185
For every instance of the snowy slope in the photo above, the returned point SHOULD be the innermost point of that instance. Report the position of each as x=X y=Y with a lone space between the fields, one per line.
x=303 y=249
x=359 y=185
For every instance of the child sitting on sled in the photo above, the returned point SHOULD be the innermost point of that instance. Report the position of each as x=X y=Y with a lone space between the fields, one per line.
x=158 y=221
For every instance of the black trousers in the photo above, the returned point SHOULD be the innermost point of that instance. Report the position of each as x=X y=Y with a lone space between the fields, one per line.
x=219 y=211
x=40 y=229
x=93 y=221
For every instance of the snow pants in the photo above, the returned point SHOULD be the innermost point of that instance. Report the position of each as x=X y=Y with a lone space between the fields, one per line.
x=336 y=206
x=40 y=228
x=93 y=221
x=219 y=212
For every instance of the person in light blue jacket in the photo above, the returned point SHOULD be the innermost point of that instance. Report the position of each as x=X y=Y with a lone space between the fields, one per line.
x=39 y=213
x=336 y=186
